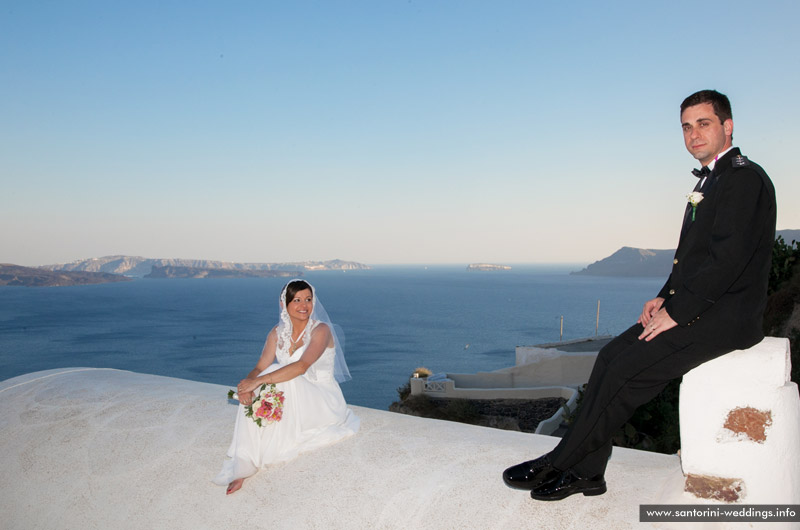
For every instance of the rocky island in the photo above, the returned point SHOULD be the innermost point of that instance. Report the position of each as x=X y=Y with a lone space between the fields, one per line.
x=487 y=267
x=17 y=275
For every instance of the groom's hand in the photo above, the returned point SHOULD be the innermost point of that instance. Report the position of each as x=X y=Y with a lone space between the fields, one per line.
x=650 y=308
x=660 y=323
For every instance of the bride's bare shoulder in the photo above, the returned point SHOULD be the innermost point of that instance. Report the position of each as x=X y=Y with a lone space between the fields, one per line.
x=322 y=327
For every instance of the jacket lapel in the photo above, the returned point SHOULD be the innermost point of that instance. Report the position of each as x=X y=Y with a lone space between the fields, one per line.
x=711 y=179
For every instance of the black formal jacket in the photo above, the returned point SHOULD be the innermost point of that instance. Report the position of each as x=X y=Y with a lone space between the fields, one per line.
x=718 y=283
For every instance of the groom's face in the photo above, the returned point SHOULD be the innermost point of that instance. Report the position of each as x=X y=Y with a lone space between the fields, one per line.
x=705 y=136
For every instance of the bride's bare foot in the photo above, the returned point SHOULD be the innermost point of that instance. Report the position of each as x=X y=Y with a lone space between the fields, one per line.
x=235 y=485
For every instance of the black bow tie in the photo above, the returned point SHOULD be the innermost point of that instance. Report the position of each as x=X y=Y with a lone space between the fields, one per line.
x=700 y=173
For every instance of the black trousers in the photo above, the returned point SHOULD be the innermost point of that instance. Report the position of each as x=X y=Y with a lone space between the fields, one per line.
x=628 y=373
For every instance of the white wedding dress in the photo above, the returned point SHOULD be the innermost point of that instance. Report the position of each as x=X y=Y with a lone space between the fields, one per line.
x=314 y=415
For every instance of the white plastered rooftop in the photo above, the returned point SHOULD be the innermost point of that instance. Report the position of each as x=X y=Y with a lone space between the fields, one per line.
x=85 y=448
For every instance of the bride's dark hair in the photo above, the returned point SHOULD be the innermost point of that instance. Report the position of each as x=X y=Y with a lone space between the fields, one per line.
x=294 y=287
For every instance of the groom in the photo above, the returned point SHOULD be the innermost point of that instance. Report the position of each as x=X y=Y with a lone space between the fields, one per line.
x=712 y=303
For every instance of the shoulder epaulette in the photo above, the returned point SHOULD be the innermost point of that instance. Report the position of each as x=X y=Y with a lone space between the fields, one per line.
x=740 y=161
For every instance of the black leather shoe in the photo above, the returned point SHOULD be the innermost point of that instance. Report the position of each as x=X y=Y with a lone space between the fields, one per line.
x=568 y=483
x=530 y=474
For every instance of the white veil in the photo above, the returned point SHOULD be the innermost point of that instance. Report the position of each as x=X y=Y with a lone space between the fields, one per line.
x=318 y=314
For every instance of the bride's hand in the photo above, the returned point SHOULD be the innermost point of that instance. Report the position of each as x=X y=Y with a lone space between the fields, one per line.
x=246 y=386
x=245 y=391
x=246 y=398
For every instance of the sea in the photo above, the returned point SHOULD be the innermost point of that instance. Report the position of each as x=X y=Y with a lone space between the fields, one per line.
x=395 y=319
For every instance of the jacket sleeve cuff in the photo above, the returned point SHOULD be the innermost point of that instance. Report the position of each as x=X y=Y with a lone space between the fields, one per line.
x=685 y=307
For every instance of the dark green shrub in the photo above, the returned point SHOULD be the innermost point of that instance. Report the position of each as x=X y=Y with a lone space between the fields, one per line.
x=784 y=259
x=404 y=391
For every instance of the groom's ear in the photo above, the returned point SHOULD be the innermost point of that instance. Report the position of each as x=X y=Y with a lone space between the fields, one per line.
x=727 y=127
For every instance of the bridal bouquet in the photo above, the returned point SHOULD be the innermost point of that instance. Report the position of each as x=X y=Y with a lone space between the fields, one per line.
x=266 y=407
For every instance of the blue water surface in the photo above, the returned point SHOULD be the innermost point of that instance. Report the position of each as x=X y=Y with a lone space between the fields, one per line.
x=394 y=318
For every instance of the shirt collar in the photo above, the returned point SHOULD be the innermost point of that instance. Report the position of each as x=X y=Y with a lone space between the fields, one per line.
x=720 y=155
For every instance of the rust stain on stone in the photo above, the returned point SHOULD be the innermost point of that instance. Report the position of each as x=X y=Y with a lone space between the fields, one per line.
x=715 y=488
x=751 y=422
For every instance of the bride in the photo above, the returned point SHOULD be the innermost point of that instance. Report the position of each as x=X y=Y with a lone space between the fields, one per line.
x=310 y=363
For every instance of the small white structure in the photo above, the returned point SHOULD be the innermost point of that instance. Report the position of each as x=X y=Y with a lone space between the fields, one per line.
x=484 y=385
x=540 y=372
x=740 y=427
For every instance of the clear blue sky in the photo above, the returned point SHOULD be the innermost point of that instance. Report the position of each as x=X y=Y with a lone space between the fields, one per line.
x=375 y=131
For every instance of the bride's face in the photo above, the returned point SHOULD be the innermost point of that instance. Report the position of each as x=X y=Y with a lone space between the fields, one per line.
x=299 y=307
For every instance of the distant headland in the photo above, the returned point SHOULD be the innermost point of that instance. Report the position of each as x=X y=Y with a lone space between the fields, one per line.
x=137 y=266
x=646 y=262
x=123 y=268
x=16 y=275
x=629 y=261
x=174 y=271
x=487 y=267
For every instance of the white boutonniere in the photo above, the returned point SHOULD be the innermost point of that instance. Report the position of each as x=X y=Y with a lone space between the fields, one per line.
x=694 y=199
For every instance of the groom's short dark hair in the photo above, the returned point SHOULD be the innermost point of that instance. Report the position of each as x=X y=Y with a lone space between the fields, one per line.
x=720 y=102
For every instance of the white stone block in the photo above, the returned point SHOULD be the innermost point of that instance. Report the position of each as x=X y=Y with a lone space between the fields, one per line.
x=766 y=363
x=757 y=378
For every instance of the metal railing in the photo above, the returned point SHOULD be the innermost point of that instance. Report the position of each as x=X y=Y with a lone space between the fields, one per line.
x=435 y=386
